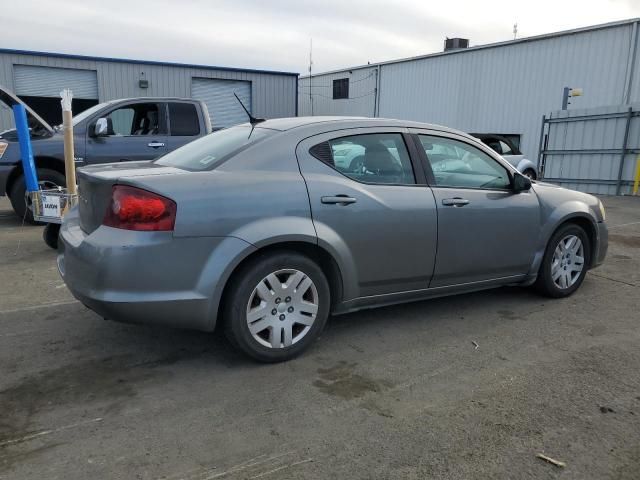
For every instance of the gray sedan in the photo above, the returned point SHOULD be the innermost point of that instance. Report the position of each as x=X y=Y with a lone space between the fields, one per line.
x=259 y=228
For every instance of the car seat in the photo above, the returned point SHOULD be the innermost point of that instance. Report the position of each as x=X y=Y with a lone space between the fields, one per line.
x=152 y=116
x=143 y=128
x=378 y=160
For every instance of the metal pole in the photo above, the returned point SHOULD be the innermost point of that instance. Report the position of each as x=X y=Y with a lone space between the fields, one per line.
x=565 y=97
x=624 y=150
x=297 y=93
x=544 y=118
x=631 y=62
x=375 y=96
x=310 y=77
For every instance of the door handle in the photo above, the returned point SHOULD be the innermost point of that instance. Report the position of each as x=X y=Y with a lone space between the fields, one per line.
x=155 y=144
x=338 y=200
x=455 y=202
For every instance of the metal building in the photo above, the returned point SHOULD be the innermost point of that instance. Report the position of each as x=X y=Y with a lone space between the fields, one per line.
x=503 y=88
x=38 y=78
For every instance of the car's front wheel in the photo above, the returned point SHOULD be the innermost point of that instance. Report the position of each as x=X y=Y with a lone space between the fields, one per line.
x=565 y=262
x=530 y=174
x=276 y=306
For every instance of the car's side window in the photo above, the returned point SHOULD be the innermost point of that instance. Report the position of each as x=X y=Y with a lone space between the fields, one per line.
x=493 y=145
x=184 y=120
x=136 y=119
x=369 y=158
x=458 y=164
x=506 y=149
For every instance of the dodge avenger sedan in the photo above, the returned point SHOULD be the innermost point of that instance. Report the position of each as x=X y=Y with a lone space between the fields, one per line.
x=258 y=228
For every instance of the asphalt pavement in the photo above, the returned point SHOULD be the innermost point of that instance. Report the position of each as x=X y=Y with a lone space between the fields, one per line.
x=473 y=386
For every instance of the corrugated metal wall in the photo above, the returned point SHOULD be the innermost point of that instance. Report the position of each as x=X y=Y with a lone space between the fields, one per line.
x=361 y=101
x=500 y=89
x=273 y=94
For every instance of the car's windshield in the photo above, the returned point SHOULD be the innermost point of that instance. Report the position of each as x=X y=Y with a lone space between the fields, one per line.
x=208 y=152
x=88 y=112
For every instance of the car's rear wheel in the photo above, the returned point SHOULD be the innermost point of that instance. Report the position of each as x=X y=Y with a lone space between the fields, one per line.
x=47 y=179
x=530 y=174
x=276 y=306
x=565 y=262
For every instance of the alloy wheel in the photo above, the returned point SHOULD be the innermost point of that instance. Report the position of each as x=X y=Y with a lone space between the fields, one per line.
x=567 y=262
x=282 y=308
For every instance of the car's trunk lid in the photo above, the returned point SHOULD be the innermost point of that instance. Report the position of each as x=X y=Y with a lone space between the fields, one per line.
x=95 y=183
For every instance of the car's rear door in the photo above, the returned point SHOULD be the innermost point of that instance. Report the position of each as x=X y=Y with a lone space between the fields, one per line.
x=486 y=231
x=375 y=214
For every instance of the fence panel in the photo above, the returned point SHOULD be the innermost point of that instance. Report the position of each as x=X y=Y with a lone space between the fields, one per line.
x=591 y=150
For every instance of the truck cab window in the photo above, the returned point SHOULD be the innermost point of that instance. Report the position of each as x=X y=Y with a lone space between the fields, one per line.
x=136 y=119
x=183 y=119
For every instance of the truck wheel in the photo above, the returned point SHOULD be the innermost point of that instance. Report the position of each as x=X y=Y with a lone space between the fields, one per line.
x=530 y=173
x=47 y=179
x=276 y=306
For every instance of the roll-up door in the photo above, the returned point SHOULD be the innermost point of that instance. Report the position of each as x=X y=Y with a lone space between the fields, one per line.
x=35 y=81
x=224 y=109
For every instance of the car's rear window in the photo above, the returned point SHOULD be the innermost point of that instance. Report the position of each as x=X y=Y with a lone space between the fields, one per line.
x=207 y=152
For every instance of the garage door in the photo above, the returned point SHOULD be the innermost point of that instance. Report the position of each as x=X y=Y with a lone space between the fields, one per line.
x=224 y=109
x=32 y=81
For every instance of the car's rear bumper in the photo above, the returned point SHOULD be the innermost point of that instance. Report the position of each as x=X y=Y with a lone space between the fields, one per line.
x=147 y=277
x=602 y=245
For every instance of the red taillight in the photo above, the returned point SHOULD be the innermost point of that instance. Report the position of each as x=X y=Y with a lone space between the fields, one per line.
x=132 y=208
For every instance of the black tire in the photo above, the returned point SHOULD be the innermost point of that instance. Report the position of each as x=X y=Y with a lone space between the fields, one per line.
x=240 y=291
x=544 y=283
x=47 y=178
x=50 y=235
x=529 y=172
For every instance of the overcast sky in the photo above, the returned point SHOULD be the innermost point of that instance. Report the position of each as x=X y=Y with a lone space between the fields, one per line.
x=274 y=34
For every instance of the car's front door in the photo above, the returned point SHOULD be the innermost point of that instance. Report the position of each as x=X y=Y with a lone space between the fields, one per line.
x=485 y=230
x=136 y=131
x=370 y=209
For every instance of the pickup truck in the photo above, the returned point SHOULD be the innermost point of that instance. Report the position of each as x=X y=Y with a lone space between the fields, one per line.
x=115 y=131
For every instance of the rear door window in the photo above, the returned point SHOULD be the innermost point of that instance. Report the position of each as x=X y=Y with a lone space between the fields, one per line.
x=183 y=120
x=371 y=158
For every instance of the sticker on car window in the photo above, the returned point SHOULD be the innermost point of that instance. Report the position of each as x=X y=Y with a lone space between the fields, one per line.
x=207 y=160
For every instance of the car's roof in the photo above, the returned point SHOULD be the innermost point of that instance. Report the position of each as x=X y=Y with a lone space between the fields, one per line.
x=153 y=99
x=348 y=122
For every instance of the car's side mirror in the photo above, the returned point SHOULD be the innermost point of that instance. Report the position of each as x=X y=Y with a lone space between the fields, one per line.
x=100 y=128
x=521 y=183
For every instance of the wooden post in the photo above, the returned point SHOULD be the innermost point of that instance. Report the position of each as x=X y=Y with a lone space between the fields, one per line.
x=69 y=155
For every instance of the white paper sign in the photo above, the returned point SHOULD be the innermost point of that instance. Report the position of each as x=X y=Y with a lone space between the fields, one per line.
x=50 y=206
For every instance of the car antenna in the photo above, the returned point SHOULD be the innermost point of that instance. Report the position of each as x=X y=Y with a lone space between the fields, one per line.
x=252 y=120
